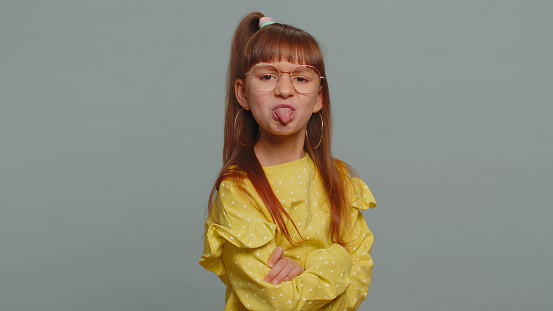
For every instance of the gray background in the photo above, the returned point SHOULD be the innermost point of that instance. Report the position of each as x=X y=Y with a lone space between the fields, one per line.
x=111 y=128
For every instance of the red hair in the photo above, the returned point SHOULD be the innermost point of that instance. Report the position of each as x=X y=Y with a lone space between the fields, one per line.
x=279 y=42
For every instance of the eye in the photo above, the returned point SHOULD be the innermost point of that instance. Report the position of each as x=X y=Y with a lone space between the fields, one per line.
x=267 y=77
x=301 y=79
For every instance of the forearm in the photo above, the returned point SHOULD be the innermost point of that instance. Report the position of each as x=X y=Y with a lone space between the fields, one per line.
x=326 y=276
x=361 y=272
x=354 y=295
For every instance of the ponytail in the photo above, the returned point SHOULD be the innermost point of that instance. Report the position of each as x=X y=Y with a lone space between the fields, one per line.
x=245 y=30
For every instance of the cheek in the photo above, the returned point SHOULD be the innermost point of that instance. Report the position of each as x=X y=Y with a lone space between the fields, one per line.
x=257 y=101
x=257 y=105
x=315 y=103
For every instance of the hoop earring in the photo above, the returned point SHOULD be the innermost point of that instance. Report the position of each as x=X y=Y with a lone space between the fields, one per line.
x=322 y=126
x=236 y=135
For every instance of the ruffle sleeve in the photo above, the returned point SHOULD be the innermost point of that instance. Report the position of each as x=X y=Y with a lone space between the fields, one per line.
x=235 y=219
x=217 y=236
x=362 y=195
x=360 y=247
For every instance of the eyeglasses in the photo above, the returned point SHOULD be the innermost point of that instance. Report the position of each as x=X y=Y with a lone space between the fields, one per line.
x=304 y=78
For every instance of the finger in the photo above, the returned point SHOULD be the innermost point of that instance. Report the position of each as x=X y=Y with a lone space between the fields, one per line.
x=292 y=274
x=286 y=269
x=275 y=270
x=275 y=257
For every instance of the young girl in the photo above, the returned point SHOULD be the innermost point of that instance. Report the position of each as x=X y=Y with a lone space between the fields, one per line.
x=284 y=230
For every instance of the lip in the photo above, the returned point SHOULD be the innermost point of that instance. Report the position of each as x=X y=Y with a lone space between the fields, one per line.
x=284 y=106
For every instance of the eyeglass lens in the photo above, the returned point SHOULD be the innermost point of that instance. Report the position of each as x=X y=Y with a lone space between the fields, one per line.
x=265 y=77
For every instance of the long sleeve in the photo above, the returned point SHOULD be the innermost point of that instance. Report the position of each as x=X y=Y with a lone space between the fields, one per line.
x=324 y=279
x=360 y=248
x=238 y=245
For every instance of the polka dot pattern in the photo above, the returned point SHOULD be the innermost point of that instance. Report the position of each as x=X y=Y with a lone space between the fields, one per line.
x=240 y=237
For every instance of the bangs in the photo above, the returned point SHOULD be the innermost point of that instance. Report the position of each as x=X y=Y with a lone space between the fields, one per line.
x=279 y=42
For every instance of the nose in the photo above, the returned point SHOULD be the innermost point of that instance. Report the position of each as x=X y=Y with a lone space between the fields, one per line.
x=284 y=87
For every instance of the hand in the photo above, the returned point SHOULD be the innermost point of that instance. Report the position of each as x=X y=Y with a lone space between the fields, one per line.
x=282 y=268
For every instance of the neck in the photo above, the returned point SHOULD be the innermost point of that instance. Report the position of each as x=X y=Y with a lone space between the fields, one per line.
x=278 y=149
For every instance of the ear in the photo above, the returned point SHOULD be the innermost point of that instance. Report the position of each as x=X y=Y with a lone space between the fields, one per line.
x=240 y=92
x=319 y=103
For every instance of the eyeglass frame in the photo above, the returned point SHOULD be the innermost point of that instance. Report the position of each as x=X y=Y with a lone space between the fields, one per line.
x=289 y=74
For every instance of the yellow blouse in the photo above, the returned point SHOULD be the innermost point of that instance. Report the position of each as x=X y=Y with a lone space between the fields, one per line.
x=240 y=237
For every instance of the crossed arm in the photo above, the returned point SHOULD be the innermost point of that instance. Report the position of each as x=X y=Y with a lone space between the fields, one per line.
x=325 y=277
x=284 y=269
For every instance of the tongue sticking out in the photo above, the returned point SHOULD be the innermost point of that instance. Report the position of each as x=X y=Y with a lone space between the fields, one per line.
x=284 y=114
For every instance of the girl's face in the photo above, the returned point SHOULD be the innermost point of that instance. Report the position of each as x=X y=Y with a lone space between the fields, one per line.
x=282 y=111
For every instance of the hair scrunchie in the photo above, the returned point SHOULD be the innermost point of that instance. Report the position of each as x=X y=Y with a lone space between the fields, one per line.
x=264 y=21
